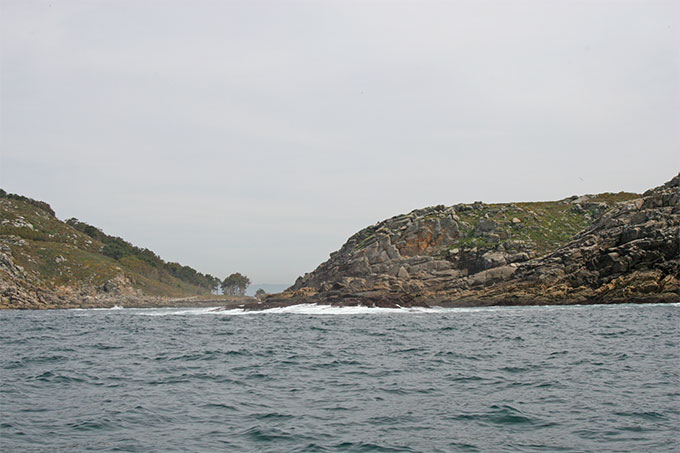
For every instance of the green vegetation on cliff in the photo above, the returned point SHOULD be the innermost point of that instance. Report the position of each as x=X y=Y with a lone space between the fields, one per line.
x=136 y=257
x=543 y=226
x=43 y=252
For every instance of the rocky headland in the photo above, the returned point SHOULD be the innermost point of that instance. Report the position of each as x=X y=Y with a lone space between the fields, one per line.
x=49 y=263
x=606 y=248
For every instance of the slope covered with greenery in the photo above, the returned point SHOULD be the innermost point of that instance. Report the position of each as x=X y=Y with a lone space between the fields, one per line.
x=542 y=225
x=54 y=255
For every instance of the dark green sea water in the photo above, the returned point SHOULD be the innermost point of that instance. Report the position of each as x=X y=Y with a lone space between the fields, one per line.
x=585 y=378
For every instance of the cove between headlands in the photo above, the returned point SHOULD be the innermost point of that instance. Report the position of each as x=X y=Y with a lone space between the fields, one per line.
x=605 y=248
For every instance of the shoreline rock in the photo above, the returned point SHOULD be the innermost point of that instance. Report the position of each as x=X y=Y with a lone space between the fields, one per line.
x=628 y=252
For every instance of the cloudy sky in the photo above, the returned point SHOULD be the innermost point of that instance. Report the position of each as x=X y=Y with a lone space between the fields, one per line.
x=256 y=136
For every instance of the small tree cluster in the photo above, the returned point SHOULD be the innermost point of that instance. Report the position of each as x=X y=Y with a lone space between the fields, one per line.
x=235 y=285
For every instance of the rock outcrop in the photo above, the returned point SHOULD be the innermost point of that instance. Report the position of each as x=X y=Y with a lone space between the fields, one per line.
x=630 y=254
x=595 y=248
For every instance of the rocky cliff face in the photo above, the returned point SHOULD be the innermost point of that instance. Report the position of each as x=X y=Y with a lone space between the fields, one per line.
x=606 y=248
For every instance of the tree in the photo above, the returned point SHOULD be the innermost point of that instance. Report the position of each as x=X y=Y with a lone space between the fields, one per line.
x=114 y=250
x=235 y=284
x=260 y=293
x=214 y=283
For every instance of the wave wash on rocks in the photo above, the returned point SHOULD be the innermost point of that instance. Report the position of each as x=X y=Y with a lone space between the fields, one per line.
x=596 y=248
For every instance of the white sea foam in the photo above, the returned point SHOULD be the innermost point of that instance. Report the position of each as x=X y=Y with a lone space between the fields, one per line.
x=314 y=309
x=115 y=307
x=302 y=309
x=175 y=311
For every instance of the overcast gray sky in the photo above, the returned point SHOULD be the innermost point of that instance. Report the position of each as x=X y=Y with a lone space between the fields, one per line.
x=256 y=136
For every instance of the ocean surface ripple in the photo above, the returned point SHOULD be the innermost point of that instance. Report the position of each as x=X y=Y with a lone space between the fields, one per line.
x=323 y=379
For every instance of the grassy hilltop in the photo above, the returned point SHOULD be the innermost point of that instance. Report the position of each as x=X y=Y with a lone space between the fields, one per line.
x=545 y=225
